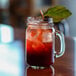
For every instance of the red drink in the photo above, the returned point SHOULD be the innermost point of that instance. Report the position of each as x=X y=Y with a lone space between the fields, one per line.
x=39 y=46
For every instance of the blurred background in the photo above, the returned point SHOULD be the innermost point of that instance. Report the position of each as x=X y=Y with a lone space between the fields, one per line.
x=13 y=14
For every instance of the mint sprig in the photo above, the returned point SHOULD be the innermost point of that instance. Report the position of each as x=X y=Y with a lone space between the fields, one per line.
x=58 y=13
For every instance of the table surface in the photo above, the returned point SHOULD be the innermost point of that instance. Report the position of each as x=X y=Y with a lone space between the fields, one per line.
x=63 y=66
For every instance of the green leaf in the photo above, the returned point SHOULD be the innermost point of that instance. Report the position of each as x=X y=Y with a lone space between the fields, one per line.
x=58 y=13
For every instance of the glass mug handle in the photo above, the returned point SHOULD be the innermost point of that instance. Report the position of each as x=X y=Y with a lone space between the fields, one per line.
x=62 y=48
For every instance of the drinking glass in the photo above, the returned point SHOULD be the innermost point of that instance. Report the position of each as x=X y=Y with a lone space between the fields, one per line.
x=40 y=42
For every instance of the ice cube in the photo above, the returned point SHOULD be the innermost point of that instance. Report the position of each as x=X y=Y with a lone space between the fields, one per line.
x=38 y=46
x=47 y=37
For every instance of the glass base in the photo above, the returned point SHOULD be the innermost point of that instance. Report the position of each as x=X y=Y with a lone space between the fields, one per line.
x=37 y=67
x=40 y=67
